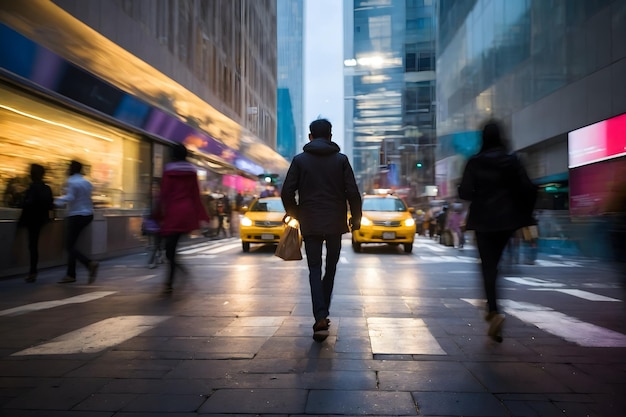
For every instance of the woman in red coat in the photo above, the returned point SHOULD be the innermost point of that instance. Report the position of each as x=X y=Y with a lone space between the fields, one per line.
x=181 y=208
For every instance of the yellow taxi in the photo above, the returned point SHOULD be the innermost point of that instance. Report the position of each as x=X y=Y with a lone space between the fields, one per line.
x=386 y=219
x=262 y=222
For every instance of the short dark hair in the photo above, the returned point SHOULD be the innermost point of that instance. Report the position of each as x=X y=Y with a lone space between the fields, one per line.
x=37 y=172
x=179 y=152
x=320 y=128
x=75 y=167
x=492 y=135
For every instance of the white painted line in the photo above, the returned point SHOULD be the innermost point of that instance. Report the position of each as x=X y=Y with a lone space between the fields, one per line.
x=534 y=282
x=429 y=246
x=96 y=337
x=448 y=259
x=559 y=324
x=542 y=262
x=44 y=305
x=342 y=260
x=586 y=295
x=402 y=336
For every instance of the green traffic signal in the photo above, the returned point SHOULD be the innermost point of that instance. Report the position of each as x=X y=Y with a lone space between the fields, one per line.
x=418 y=165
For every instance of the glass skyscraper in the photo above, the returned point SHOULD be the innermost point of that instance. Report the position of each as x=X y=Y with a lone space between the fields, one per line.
x=290 y=26
x=389 y=93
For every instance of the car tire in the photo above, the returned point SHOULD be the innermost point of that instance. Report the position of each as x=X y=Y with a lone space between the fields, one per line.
x=245 y=246
x=356 y=246
x=408 y=247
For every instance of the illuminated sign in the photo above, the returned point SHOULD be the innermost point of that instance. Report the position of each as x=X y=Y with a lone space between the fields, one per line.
x=597 y=142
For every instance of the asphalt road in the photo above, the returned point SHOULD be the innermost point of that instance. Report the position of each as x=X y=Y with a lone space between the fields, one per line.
x=407 y=337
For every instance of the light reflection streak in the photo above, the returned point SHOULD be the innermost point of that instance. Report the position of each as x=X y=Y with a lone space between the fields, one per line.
x=41 y=119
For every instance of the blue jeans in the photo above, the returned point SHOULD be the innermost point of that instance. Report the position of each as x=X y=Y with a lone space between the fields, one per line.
x=322 y=287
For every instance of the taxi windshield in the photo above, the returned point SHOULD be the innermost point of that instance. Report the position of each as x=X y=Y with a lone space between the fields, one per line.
x=383 y=204
x=268 y=205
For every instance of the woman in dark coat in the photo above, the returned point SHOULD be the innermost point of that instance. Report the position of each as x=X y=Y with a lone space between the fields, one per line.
x=38 y=202
x=502 y=200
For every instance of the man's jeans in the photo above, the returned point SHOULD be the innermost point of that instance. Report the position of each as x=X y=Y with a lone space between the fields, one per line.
x=322 y=287
x=75 y=225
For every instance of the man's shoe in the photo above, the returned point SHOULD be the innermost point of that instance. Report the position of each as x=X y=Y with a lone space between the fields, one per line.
x=67 y=279
x=93 y=271
x=31 y=278
x=495 y=327
x=320 y=330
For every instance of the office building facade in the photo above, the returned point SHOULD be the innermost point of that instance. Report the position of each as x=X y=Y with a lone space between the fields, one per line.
x=553 y=73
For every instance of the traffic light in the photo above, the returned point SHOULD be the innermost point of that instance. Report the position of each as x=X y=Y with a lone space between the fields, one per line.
x=418 y=165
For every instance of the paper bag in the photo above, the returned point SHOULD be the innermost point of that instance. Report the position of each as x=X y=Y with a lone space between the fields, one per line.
x=289 y=245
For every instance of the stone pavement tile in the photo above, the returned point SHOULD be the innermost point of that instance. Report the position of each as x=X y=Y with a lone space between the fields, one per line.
x=580 y=381
x=37 y=366
x=354 y=344
x=432 y=376
x=105 y=402
x=256 y=401
x=515 y=377
x=290 y=347
x=63 y=413
x=157 y=386
x=360 y=403
x=165 y=403
x=611 y=405
x=136 y=368
x=221 y=368
x=329 y=380
x=186 y=326
x=56 y=395
x=459 y=404
x=550 y=405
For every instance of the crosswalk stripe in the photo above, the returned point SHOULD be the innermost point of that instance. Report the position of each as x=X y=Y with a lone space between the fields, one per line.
x=44 y=305
x=586 y=295
x=559 y=324
x=96 y=337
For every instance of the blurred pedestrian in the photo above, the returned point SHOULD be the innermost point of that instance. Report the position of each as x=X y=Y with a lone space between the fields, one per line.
x=324 y=181
x=153 y=230
x=502 y=200
x=181 y=209
x=36 y=206
x=79 y=215
x=455 y=220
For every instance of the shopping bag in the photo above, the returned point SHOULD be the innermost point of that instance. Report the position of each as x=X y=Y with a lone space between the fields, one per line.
x=530 y=233
x=289 y=245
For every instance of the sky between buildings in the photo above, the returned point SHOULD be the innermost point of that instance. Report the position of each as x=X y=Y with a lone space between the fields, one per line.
x=323 y=65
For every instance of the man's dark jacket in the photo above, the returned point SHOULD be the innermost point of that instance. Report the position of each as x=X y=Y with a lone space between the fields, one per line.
x=501 y=194
x=324 y=182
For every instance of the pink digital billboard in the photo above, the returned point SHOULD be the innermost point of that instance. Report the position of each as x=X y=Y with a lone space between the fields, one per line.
x=597 y=142
x=591 y=183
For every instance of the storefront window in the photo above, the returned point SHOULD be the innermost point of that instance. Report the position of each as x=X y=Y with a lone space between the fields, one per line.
x=33 y=130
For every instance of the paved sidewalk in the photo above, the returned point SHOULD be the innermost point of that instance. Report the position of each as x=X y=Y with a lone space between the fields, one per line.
x=239 y=343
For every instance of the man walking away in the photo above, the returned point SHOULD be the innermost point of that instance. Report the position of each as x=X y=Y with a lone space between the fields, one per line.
x=324 y=181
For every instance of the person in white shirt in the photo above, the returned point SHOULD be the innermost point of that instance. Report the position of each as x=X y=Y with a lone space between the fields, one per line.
x=79 y=215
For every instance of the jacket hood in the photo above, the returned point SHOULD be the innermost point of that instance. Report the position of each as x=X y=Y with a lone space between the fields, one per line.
x=498 y=157
x=321 y=146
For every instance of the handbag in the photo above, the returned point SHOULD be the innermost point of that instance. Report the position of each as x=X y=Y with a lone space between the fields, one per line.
x=150 y=226
x=289 y=245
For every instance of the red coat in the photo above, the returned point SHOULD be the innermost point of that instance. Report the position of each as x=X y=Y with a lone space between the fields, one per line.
x=181 y=207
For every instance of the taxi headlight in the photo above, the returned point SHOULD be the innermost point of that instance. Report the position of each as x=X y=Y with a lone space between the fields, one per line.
x=409 y=222
x=365 y=221
x=246 y=221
